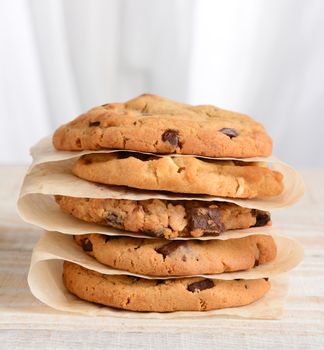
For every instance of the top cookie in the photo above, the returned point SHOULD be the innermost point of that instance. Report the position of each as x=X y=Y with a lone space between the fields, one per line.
x=150 y=123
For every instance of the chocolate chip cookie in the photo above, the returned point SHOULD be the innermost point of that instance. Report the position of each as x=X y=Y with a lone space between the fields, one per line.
x=151 y=123
x=138 y=294
x=182 y=174
x=160 y=257
x=164 y=218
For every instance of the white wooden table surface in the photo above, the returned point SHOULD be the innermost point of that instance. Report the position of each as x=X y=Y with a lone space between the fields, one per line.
x=27 y=324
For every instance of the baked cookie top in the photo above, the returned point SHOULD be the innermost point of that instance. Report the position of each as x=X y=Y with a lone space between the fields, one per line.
x=180 y=174
x=150 y=123
x=139 y=294
x=160 y=257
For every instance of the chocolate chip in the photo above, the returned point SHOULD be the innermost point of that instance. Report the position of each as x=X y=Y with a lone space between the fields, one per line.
x=171 y=136
x=114 y=219
x=262 y=217
x=199 y=286
x=87 y=245
x=206 y=219
x=169 y=248
x=256 y=262
x=229 y=132
x=266 y=279
x=94 y=124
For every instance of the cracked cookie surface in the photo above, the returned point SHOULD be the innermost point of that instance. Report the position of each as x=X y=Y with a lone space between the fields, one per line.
x=138 y=294
x=163 y=218
x=150 y=123
x=160 y=257
x=182 y=174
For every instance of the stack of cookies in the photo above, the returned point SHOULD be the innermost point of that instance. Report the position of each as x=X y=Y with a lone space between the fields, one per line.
x=178 y=161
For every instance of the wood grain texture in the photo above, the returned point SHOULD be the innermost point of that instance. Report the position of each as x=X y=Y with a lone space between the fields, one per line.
x=26 y=323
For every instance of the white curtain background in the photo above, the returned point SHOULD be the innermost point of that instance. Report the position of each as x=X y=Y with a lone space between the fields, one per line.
x=59 y=58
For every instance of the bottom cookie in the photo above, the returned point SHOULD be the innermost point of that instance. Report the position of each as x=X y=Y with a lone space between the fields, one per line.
x=139 y=294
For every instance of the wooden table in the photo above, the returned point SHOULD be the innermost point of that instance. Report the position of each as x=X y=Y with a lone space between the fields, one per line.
x=27 y=324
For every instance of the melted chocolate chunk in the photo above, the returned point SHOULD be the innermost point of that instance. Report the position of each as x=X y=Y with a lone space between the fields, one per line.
x=114 y=219
x=94 y=124
x=87 y=245
x=229 y=132
x=171 y=136
x=206 y=219
x=262 y=217
x=169 y=248
x=199 y=286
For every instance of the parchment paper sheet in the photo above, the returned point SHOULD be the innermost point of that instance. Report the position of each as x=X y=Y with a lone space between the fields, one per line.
x=45 y=282
x=41 y=210
x=54 y=245
x=50 y=166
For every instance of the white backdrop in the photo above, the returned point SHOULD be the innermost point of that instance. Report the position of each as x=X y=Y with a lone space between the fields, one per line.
x=265 y=58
